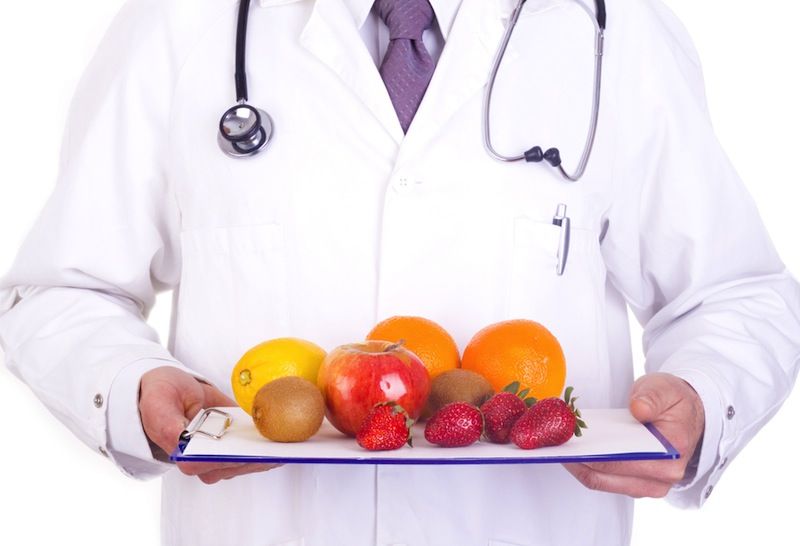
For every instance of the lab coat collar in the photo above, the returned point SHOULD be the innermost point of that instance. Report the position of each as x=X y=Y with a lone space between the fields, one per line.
x=460 y=74
x=331 y=35
x=445 y=11
x=533 y=6
x=271 y=3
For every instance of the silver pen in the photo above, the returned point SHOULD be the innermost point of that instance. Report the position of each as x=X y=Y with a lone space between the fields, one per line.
x=562 y=220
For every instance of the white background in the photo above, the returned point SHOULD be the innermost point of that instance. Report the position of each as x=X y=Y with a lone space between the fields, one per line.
x=55 y=490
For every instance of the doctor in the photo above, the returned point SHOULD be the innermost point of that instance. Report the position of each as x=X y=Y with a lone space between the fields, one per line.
x=360 y=209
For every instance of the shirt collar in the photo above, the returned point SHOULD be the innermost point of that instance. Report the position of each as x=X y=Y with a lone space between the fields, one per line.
x=445 y=11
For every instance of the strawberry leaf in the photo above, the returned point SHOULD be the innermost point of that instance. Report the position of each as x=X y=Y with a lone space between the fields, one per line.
x=512 y=387
x=524 y=393
x=530 y=401
x=568 y=394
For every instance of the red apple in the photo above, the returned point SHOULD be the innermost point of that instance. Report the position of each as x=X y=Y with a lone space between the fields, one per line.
x=355 y=377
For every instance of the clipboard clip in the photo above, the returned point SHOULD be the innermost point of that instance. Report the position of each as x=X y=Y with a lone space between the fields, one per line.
x=196 y=425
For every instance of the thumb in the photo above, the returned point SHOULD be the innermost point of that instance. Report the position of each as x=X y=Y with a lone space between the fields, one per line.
x=163 y=418
x=643 y=409
x=650 y=397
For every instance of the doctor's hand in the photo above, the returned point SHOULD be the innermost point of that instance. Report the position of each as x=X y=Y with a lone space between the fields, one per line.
x=168 y=399
x=676 y=410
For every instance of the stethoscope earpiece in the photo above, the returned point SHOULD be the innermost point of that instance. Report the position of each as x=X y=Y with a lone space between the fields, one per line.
x=536 y=155
x=244 y=130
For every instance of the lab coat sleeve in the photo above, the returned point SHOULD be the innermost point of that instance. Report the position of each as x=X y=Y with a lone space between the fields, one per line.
x=686 y=247
x=73 y=306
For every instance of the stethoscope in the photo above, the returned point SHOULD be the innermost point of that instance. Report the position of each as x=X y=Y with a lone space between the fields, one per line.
x=552 y=155
x=245 y=131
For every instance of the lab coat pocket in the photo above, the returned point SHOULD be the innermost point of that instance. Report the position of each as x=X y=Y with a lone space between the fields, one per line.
x=570 y=305
x=232 y=295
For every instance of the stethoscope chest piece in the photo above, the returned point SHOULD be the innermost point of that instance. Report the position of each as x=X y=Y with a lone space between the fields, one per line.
x=244 y=131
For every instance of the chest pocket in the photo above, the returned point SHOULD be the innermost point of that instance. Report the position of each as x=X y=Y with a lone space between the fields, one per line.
x=571 y=305
x=232 y=295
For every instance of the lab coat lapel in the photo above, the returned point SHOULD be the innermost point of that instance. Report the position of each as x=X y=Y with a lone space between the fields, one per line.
x=332 y=37
x=462 y=70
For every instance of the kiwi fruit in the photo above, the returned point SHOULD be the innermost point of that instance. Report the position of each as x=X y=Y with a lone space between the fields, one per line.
x=288 y=409
x=457 y=386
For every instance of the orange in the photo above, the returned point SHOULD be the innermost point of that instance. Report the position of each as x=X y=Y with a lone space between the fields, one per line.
x=270 y=360
x=518 y=350
x=426 y=339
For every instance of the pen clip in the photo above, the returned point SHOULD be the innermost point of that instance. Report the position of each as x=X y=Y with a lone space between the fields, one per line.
x=562 y=220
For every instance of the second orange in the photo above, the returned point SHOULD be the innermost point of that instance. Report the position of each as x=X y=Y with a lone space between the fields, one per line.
x=518 y=350
x=429 y=341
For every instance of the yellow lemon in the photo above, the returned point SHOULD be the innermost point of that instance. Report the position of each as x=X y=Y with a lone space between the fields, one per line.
x=270 y=360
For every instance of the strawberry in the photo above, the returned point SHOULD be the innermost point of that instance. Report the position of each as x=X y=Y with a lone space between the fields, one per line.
x=457 y=424
x=549 y=422
x=386 y=426
x=502 y=410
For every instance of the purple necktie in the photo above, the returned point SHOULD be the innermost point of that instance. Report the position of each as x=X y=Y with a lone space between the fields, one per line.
x=407 y=66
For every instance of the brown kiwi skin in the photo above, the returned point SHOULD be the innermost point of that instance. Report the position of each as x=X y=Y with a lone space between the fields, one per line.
x=288 y=409
x=457 y=386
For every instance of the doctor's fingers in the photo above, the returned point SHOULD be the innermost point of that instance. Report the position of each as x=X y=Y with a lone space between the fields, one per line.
x=199 y=469
x=670 y=472
x=613 y=483
x=213 y=472
x=214 y=476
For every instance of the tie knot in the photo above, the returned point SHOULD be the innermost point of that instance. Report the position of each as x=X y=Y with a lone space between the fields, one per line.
x=405 y=18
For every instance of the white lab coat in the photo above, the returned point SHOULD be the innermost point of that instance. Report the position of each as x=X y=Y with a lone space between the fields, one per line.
x=343 y=222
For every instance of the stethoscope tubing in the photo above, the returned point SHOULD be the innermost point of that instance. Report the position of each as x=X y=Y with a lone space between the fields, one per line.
x=232 y=144
x=487 y=96
x=599 y=25
x=240 y=75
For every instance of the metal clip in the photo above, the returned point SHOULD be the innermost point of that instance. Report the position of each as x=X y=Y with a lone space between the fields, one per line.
x=195 y=427
x=562 y=220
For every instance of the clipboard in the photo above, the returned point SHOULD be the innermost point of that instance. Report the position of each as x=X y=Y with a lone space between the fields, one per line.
x=229 y=435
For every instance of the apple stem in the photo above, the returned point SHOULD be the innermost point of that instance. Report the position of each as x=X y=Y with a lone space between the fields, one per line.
x=394 y=346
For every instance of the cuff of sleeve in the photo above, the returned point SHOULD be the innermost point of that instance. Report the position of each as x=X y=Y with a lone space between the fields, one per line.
x=128 y=445
x=699 y=482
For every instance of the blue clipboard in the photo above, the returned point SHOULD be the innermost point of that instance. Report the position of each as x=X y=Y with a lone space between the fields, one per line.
x=228 y=435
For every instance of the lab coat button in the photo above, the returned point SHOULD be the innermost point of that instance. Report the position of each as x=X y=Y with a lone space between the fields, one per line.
x=103 y=451
x=709 y=489
x=404 y=183
x=731 y=412
x=723 y=462
x=98 y=400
